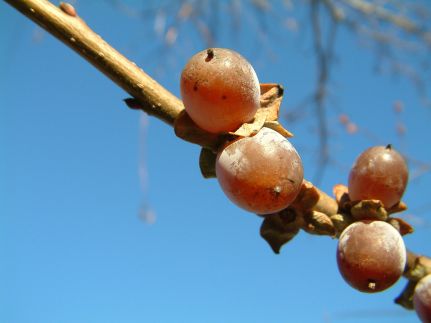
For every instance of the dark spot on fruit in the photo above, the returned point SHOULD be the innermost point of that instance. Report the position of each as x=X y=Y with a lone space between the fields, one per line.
x=223 y=97
x=195 y=86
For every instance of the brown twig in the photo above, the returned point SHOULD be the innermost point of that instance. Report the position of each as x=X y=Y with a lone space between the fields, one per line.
x=75 y=33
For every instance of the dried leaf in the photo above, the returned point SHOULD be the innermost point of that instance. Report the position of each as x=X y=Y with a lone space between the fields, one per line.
x=307 y=198
x=276 y=126
x=369 y=209
x=417 y=267
x=405 y=299
x=187 y=130
x=207 y=161
x=267 y=115
x=279 y=228
x=311 y=198
x=399 y=207
x=341 y=194
x=341 y=221
x=252 y=128
x=318 y=223
x=402 y=226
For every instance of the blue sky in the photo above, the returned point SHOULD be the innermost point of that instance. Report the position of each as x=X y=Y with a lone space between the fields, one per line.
x=72 y=245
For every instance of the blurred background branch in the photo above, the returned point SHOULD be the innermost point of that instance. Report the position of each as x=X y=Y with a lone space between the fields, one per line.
x=398 y=33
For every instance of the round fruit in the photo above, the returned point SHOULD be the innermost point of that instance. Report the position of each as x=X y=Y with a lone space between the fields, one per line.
x=371 y=255
x=379 y=173
x=261 y=174
x=220 y=90
x=422 y=299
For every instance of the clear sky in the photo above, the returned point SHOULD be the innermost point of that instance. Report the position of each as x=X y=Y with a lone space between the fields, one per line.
x=77 y=168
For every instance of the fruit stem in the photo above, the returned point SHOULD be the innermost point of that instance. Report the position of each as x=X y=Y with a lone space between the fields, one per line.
x=210 y=54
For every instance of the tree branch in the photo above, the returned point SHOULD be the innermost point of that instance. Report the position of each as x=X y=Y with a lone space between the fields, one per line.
x=154 y=99
x=381 y=13
x=75 y=33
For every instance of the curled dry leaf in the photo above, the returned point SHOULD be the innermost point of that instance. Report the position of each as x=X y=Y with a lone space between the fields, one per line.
x=318 y=223
x=187 y=130
x=399 y=207
x=271 y=96
x=311 y=198
x=279 y=228
x=207 y=161
x=402 y=226
x=405 y=299
x=266 y=116
x=369 y=209
x=417 y=267
x=341 y=193
x=307 y=198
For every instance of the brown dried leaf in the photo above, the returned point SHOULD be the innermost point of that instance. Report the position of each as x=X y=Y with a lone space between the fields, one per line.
x=252 y=128
x=267 y=115
x=311 y=198
x=187 y=130
x=399 y=207
x=402 y=226
x=405 y=299
x=207 y=161
x=318 y=223
x=339 y=192
x=369 y=209
x=307 y=198
x=341 y=221
x=271 y=95
x=417 y=267
x=276 y=126
x=279 y=228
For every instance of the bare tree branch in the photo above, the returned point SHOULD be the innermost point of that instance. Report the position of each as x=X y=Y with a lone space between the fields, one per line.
x=156 y=100
x=75 y=33
x=371 y=9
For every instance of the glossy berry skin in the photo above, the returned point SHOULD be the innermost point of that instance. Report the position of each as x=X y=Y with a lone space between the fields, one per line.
x=220 y=90
x=379 y=173
x=371 y=255
x=422 y=299
x=261 y=174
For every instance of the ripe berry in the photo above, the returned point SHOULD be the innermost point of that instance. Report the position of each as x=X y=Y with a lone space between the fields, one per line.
x=220 y=90
x=371 y=255
x=262 y=174
x=379 y=173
